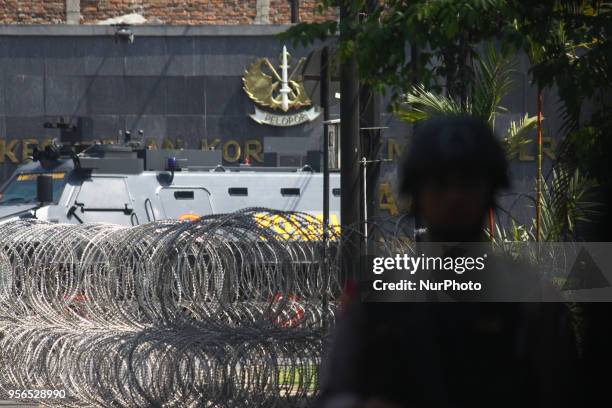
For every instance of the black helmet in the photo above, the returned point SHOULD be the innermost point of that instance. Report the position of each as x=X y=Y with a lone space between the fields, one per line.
x=453 y=144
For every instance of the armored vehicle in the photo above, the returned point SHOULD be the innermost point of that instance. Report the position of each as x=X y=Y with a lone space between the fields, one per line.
x=130 y=185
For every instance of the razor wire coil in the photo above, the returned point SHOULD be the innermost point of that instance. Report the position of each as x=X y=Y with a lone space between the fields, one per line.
x=230 y=310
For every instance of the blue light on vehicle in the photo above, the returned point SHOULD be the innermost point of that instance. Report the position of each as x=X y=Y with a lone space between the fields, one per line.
x=172 y=163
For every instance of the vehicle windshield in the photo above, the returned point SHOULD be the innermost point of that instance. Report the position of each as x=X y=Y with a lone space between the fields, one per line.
x=22 y=189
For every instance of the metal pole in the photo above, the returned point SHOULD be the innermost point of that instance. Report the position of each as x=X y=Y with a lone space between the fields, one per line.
x=324 y=81
x=295 y=11
x=364 y=161
x=325 y=106
x=539 y=169
x=370 y=102
x=370 y=132
x=349 y=150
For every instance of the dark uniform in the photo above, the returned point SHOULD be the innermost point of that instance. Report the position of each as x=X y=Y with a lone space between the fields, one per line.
x=453 y=355
x=461 y=354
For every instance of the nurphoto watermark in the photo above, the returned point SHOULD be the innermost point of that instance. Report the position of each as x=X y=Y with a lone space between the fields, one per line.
x=513 y=272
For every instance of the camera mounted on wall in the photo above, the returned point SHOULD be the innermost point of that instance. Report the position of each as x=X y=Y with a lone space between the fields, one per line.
x=124 y=33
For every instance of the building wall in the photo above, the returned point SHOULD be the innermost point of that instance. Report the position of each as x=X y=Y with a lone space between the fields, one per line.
x=182 y=85
x=179 y=12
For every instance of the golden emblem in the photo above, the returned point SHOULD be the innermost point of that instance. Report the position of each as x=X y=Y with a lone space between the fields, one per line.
x=279 y=92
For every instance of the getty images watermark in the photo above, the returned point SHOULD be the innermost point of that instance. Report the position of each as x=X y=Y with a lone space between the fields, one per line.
x=411 y=265
x=507 y=272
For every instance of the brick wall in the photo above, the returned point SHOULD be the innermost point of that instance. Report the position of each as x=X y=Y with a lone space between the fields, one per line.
x=32 y=11
x=280 y=12
x=189 y=12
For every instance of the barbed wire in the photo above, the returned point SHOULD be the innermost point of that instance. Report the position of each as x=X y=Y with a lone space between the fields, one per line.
x=230 y=310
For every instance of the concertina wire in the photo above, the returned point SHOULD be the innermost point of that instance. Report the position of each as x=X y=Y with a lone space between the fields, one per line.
x=231 y=310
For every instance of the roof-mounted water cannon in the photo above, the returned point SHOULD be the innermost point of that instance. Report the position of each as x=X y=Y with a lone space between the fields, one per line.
x=69 y=133
x=130 y=141
x=68 y=145
x=51 y=152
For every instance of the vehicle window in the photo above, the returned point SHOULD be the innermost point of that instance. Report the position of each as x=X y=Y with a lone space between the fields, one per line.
x=104 y=192
x=290 y=191
x=238 y=191
x=183 y=195
x=22 y=189
x=179 y=202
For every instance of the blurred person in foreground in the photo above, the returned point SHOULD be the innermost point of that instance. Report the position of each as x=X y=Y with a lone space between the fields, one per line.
x=431 y=354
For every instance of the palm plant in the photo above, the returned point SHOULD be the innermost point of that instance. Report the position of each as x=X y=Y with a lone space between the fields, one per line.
x=559 y=217
x=568 y=48
x=492 y=81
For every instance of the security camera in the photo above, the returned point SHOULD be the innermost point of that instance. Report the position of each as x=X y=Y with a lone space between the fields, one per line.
x=124 y=33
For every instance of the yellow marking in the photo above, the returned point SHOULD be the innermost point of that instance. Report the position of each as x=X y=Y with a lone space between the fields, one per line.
x=297 y=228
x=394 y=149
x=32 y=176
x=387 y=201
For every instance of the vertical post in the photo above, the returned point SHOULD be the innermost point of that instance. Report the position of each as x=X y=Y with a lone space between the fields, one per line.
x=370 y=132
x=364 y=162
x=263 y=12
x=324 y=83
x=349 y=149
x=73 y=12
x=415 y=61
x=539 y=168
x=370 y=102
x=295 y=11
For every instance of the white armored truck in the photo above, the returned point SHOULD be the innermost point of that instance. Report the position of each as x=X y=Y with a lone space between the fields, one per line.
x=123 y=184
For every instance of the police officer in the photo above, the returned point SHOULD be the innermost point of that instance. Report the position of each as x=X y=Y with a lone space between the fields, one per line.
x=431 y=354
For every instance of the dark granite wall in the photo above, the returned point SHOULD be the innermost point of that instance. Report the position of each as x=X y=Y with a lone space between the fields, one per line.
x=183 y=85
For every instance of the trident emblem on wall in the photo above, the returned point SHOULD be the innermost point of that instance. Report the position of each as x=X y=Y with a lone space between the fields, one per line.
x=266 y=87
